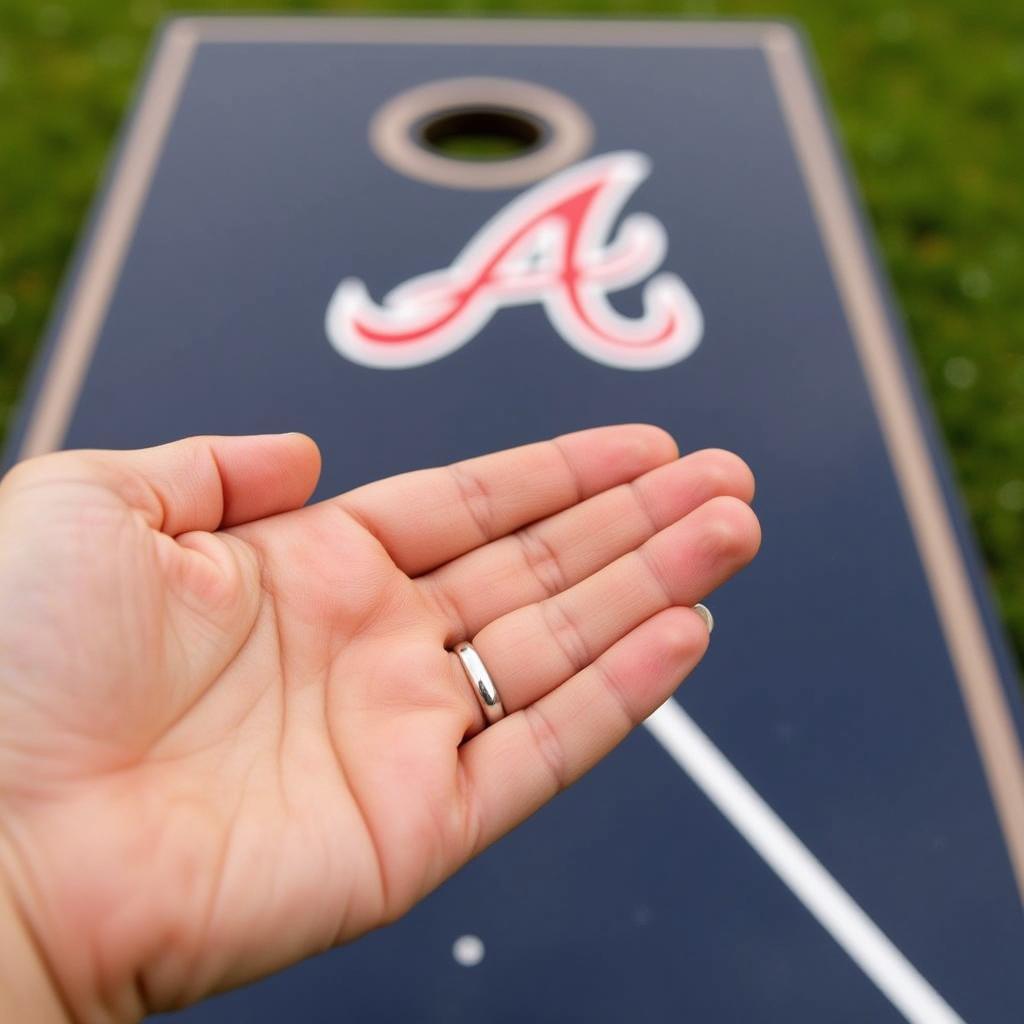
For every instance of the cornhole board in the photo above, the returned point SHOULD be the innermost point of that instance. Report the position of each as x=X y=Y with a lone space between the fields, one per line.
x=827 y=822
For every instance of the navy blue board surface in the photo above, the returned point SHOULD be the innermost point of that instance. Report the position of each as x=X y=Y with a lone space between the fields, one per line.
x=825 y=823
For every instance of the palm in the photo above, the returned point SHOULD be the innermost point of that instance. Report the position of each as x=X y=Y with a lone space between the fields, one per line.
x=254 y=740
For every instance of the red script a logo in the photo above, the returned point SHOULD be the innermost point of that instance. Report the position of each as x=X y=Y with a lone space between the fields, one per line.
x=549 y=245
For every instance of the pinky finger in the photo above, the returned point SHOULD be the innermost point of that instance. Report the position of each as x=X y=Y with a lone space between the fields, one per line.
x=516 y=766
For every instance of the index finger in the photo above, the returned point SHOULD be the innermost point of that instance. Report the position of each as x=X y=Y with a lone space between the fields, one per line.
x=428 y=517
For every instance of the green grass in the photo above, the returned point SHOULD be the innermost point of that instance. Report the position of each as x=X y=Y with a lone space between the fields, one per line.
x=930 y=99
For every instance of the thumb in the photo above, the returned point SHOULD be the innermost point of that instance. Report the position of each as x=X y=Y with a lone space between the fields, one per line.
x=200 y=483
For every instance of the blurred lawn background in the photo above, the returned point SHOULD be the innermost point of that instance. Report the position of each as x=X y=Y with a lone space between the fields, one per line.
x=930 y=100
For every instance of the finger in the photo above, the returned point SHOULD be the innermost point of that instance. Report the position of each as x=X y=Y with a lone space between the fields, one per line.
x=551 y=555
x=514 y=767
x=426 y=518
x=200 y=483
x=531 y=651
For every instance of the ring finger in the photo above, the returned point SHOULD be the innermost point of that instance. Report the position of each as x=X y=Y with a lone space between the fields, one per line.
x=534 y=649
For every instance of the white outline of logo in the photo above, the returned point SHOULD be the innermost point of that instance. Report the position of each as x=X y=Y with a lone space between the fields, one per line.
x=550 y=246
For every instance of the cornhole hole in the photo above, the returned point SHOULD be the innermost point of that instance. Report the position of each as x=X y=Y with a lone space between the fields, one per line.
x=421 y=240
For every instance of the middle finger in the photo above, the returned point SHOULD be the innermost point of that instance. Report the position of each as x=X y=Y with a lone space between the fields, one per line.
x=555 y=553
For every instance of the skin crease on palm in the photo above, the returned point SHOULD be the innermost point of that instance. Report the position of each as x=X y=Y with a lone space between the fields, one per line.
x=232 y=733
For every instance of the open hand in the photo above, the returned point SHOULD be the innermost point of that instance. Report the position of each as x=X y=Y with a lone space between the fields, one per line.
x=232 y=733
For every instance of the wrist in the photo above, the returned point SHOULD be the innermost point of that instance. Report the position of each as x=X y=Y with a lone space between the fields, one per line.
x=27 y=990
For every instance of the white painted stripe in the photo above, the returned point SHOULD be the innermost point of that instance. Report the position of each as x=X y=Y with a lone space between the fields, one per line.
x=819 y=892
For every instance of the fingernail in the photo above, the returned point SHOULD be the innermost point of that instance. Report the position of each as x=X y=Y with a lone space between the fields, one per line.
x=705 y=613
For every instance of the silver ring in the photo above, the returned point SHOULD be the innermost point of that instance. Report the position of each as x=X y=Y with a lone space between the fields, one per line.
x=481 y=681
